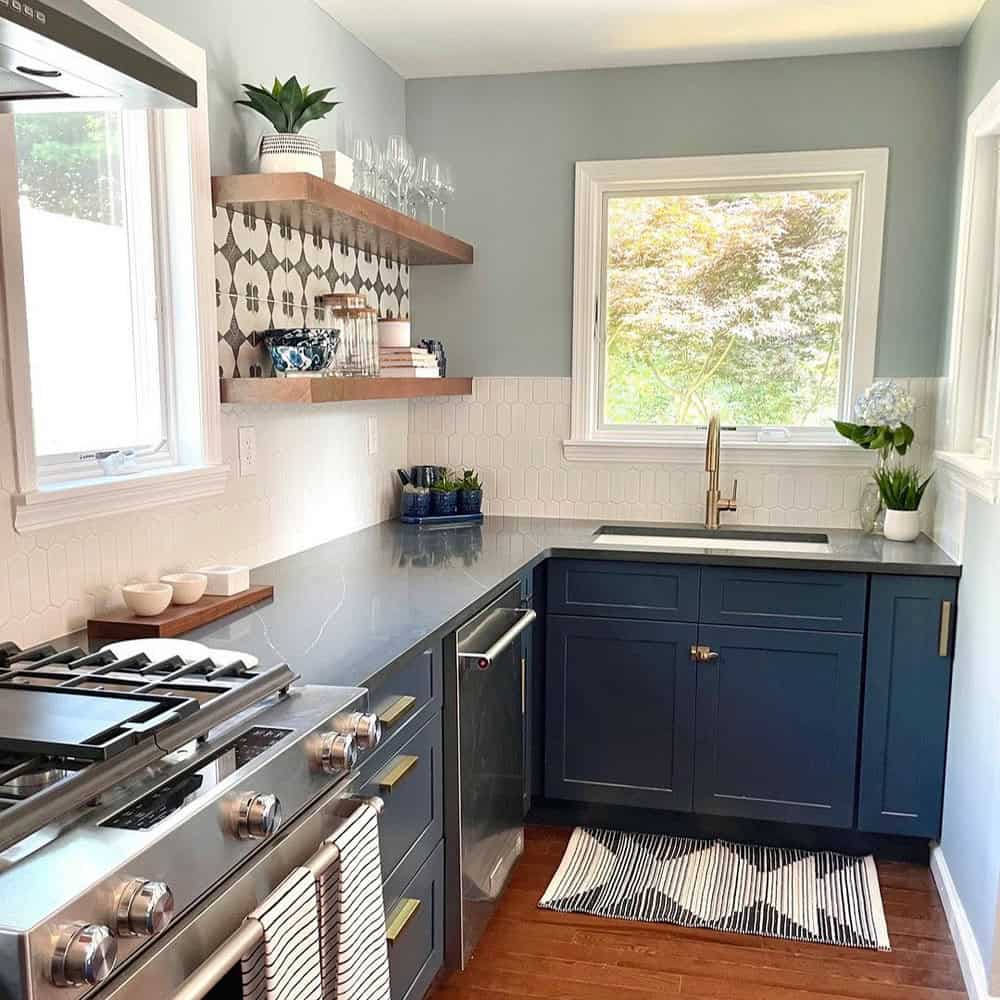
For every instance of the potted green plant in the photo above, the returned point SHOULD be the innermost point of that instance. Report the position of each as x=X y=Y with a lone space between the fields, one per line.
x=289 y=107
x=880 y=415
x=470 y=493
x=901 y=490
x=444 y=495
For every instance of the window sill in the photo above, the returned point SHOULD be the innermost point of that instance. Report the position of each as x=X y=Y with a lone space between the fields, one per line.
x=976 y=475
x=53 y=506
x=789 y=454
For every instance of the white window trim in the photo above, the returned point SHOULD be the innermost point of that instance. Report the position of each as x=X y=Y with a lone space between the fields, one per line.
x=187 y=211
x=974 y=263
x=864 y=170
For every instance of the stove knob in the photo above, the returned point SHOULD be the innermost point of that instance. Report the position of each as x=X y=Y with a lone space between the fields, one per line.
x=365 y=728
x=337 y=752
x=144 y=908
x=256 y=817
x=84 y=955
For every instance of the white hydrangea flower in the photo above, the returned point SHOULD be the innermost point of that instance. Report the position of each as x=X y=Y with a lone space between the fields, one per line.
x=884 y=404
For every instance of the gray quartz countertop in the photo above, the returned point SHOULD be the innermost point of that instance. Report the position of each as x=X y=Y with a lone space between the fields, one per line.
x=345 y=611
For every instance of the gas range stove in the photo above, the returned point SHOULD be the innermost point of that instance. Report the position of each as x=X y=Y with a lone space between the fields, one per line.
x=132 y=788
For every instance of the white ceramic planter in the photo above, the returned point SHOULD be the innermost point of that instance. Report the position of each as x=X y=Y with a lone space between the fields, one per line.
x=282 y=153
x=901 y=525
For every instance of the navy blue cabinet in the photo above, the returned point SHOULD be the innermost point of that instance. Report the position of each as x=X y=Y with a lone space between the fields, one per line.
x=777 y=729
x=619 y=712
x=907 y=690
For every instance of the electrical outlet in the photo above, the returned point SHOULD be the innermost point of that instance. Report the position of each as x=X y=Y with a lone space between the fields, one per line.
x=247 y=438
x=372 y=436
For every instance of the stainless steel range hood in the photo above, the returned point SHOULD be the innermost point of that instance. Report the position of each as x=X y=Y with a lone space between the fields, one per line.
x=63 y=54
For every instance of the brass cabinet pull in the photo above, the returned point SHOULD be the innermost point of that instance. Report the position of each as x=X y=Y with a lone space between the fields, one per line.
x=397 y=709
x=400 y=917
x=944 y=636
x=395 y=773
x=703 y=654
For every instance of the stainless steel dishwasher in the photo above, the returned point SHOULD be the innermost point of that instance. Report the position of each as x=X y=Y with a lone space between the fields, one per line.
x=490 y=742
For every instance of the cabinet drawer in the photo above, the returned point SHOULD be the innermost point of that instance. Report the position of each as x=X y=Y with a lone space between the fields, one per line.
x=607 y=589
x=409 y=782
x=399 y=695
x=783 y=598
x=415 y=930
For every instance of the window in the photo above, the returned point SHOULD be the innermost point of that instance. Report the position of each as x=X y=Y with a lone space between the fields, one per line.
x=970 y=449
x=740 y=285
x=108 y=302
x=87 y=222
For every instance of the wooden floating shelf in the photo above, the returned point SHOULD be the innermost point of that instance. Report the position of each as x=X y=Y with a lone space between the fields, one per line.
x=314 y=205
x=337 y=390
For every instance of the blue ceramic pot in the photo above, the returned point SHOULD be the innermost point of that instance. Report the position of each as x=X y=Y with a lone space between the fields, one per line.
x=416 y=504
x=470 y=501
x=443 y=504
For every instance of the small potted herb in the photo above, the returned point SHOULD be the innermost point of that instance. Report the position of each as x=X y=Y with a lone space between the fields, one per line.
x=416 y=501
x=901 y=490
x=444 y=495
x=289 y=107
x=470 y=493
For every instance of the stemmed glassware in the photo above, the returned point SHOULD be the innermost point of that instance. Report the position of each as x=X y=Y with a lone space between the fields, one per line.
x=396 y=176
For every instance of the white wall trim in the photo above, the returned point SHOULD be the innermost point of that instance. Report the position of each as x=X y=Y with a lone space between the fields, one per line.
x=974 y=262
x=866 y=170
x=969 y=958
x=51 y=508
x=790 y=455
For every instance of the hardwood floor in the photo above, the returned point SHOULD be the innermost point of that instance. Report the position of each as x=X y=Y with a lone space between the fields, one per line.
x=527 y=952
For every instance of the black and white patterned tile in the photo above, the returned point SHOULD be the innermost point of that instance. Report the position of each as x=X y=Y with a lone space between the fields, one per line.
x=269 y=275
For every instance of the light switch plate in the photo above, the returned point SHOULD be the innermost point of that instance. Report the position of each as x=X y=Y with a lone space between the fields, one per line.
x=247 y=438
x=372 y=436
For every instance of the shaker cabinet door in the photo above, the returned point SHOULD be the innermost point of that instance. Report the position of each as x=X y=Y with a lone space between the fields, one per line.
x=777 y=733
x=907 y=691
x=619 y=714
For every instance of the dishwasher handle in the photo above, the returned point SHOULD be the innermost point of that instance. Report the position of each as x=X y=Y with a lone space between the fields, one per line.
x=485 y=660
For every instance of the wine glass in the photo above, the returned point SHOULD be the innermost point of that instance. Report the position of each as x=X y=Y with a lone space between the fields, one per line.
x=446 y=190
x=426 y=184
x=397 y=158
x=361 y=151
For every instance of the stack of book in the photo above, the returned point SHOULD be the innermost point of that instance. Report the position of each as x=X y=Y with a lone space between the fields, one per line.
x=407 y=362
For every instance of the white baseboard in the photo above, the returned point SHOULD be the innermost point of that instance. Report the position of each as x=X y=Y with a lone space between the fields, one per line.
x=973 y=971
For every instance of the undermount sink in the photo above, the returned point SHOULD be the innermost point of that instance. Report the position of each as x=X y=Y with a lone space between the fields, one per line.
x=730 y=539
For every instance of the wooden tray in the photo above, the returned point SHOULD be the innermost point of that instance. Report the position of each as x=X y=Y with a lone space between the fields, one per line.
x=176 y=620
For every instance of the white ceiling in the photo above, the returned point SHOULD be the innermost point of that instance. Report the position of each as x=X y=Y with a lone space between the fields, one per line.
x=420 y=38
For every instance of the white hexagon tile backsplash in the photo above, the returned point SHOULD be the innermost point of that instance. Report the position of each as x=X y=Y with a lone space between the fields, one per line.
x=512 y=433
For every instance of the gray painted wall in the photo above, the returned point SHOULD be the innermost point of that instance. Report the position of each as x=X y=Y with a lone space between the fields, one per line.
x=971 y=835
x=252 y=41
x=514 y=140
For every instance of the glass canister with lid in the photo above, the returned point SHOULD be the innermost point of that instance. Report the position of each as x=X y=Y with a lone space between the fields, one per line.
x=345 y=310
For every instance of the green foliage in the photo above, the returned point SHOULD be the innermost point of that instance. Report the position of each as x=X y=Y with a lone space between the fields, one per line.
x=728 y=303
x=449 y=483
x=900 y=487
x=70 y=162
x=884 y=439
x=471 y=481
x=288 y=106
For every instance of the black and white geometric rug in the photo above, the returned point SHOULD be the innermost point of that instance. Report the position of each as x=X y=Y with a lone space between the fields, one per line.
x=722 y=886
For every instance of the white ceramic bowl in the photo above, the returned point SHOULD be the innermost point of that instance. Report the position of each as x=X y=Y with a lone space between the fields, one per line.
x=188 y=587
x=145 y=599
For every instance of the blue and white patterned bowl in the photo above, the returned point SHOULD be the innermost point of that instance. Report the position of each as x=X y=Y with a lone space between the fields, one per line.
x=303 y=349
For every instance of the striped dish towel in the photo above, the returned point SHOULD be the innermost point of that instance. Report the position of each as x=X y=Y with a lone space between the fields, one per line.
x=354 y=955
x=286 y=964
